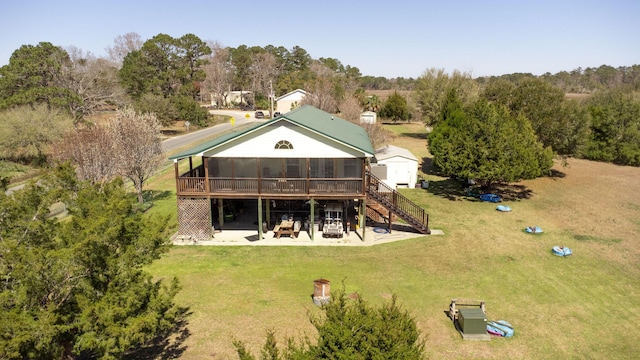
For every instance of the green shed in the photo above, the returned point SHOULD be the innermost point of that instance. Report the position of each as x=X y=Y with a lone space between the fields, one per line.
x=472 y=321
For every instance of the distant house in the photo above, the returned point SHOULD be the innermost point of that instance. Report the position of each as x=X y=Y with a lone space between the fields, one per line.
x=290 y=101
x=368 y=117
x=400 y=164
x=233 y=97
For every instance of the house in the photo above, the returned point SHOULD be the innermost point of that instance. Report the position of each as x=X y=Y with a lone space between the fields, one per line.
x=289 y=167
x=231 y=98
x=400 y=164
x=368 y=117
x=289 y=101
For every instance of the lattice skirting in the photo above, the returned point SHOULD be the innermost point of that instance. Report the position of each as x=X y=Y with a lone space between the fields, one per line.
x=194 y=219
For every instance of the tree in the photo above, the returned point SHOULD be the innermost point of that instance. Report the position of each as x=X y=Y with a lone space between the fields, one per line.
x=541 y=103
x=486 y=143
x=191 y=56
x=615 y=128
x=162 y=107
x=168 y=67
x=320 y=89
x=241 y=58
x=352 y=329
x=395 y=108
x=136 y=75
x=37 y=74
x=433 y=85
x=91 y=151
x=130 y=146
x=27 y=132
x=95 y=81
x=500 y=91
x=372 y=103
x=559 y=123
x=122 y=46
x=219 y=74
x=78 y=288
x=264 y=70
x=138 y=146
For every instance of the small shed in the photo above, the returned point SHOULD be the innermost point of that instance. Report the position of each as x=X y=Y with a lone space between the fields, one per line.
x=368 y=117
x=401 y=165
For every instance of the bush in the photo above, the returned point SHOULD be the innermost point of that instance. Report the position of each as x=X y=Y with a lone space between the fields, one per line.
x=190 y=110
x=352 y=329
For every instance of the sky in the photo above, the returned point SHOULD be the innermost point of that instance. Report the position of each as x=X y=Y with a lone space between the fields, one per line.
x=392 y=38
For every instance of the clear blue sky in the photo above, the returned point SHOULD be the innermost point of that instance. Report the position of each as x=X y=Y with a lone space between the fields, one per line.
x=380 y=37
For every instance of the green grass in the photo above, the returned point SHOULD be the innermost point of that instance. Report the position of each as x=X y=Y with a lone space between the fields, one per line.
x=586 y=306
x=16 y=172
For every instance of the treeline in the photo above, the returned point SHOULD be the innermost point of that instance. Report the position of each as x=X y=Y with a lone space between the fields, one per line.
x=601 y=126
x=173 y=77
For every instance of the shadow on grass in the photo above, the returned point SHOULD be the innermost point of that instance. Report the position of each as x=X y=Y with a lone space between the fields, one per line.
x=455 y=189
x=421 y=136
x=168 y=345
x=427 y=166
x=555 y=174
x=155 y=195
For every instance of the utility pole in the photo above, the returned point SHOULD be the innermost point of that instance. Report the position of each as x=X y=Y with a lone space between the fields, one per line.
x=271 y=96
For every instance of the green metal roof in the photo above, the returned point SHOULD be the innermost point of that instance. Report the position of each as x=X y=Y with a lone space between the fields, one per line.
x=305 y=116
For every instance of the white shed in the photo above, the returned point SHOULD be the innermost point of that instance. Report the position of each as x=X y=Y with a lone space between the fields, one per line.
x=368 y=117
x=401 y=165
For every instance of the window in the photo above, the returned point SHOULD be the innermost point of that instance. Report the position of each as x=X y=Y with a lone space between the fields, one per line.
x=352 y=168
x=284 y=144
x=321 y=168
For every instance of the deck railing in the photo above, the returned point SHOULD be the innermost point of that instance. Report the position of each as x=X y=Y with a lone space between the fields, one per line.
x=271 y=186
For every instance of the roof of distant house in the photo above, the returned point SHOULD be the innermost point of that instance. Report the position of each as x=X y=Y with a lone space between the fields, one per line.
x=304 y=93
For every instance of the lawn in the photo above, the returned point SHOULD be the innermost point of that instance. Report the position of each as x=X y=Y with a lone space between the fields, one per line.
x=584 y=306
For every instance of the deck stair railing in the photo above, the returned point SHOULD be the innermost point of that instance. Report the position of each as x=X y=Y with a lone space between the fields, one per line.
x=397 y=203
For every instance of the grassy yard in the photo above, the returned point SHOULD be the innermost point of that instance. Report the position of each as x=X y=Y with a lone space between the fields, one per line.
x=586 y=306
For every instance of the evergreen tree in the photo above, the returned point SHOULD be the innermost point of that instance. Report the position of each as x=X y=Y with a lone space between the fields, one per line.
x=38 y=74
x=352 y=329
x=615 y=128
x=485 y=142
x=395 y=108
x=78 y=288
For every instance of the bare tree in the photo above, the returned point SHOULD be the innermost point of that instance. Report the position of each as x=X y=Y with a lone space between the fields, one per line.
x=219 y=72
x=264 y=68
x=137 y=146
x=320 y=89
x=350 y=110
x=91 y=151
x=123 y=45
x=95 y=80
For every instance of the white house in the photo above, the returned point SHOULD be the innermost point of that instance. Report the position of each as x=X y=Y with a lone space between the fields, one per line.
x=401 y=166
x=293 y=165
x=289 y=101
x=232 y=97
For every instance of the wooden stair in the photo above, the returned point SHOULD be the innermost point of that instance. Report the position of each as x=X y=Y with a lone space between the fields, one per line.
x=378 y=212
x=381 y=196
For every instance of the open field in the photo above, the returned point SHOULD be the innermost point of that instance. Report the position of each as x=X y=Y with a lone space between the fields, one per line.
x=584 y=306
